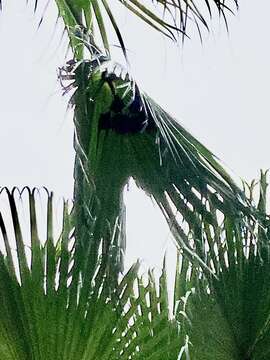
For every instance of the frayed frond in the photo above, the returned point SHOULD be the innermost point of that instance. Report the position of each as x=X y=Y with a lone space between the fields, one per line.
x=122 y=133
x=83 y=19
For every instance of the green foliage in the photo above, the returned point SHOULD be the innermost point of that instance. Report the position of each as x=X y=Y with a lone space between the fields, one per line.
x=65 y=297
x=85 y=20
x=121 y=133
x=50 y=308
x=229 y=312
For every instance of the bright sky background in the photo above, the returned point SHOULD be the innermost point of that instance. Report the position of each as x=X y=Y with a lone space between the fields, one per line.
x=219 y=91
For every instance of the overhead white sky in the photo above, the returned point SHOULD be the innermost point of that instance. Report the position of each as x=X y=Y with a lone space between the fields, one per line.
x=219 y=91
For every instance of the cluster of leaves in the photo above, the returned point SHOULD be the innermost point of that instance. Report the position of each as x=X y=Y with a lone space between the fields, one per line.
x=228 y=312
x=65 y=297
x=84 y=18
x=182 y=176
x=52 y=309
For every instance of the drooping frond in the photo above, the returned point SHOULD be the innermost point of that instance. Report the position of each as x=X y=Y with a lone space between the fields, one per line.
x=53 y=308
x=228 y=315
x=84 y=19
x=122 y=133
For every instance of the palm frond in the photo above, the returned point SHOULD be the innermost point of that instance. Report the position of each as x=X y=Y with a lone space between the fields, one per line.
x=122 y=133
x=51 y=305
x=85 y=19
x=229 y=313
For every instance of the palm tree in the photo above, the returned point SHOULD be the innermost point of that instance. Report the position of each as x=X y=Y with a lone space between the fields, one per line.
x=121 y=132
x=71 y=286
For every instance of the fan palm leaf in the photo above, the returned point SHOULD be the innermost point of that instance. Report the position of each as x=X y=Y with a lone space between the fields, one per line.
x=52 y=307
x=229 y=312
x=121 y=133
x=170 y=18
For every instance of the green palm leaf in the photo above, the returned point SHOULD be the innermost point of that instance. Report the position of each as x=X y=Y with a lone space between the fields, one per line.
x=170 y=18
x=122 y=133
x=52 y=306
x=229 y=312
